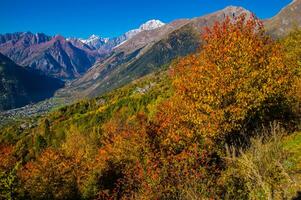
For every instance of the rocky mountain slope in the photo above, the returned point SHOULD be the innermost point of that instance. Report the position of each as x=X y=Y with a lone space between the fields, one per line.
x=106 y=45
x=53 y=56
x=101 y=64
x=60 y=57
x=20 y=86
x=146 y=52
x=95 y=41
x=287 y=19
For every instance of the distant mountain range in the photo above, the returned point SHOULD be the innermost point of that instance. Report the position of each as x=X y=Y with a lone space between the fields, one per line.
x=146 y=52
x=97 y=42
x=107 y=45
x=53 y=56
x=96 y=65
x=59 y=57
x=20 y=86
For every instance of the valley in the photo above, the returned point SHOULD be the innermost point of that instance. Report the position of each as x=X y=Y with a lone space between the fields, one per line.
x=197 y=108
x=98 y=65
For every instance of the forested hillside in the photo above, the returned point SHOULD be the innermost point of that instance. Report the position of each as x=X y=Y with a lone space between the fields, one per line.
x=221 y=123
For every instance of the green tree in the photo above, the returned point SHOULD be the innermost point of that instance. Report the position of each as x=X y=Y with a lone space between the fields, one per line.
x=292 y=47
x=9 y=183
x=39 y=143
x=46 y=130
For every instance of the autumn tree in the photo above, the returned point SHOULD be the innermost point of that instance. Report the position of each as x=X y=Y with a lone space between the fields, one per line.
x=81 y=149
x=39 y=143
x=9 y=166
x=122 y=160
x=292 y=48
x=49 y=177
x=235 y=80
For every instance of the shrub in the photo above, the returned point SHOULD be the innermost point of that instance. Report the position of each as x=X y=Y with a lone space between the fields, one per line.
x=260 y=172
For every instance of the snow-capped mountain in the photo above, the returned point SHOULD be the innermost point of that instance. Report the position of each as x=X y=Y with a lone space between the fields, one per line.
x=107 y=44
x=95 y=41
x=149 y=25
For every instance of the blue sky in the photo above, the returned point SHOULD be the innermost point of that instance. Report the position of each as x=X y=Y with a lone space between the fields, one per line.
x=108 y=18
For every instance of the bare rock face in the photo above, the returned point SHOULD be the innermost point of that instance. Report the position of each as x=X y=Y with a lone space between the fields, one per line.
x=287 y=19
x=16 y=45
x=231 y=12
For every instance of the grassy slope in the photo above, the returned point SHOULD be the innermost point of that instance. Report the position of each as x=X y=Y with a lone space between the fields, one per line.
x=292 y=144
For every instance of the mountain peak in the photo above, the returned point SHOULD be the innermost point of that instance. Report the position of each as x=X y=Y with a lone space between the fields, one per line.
x=94 y=41
x=231 y=7
x=151 y=24
x=59 y=37
x=147 y=26
x=94 y=37
x=235 y=9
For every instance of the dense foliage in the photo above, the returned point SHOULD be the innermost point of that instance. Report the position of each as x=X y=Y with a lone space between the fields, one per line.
x=239 y=75
x=188 y=135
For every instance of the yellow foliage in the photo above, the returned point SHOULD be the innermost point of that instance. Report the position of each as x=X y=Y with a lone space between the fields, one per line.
x=238 y=71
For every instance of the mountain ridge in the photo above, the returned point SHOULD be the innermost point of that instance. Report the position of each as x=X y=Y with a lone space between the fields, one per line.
x=131 y=52
x=108 y=44
x=20 y=86
x=288 y=18
x=101 y=67
x=59 y=57
x=146 y=52
x=54 y=56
